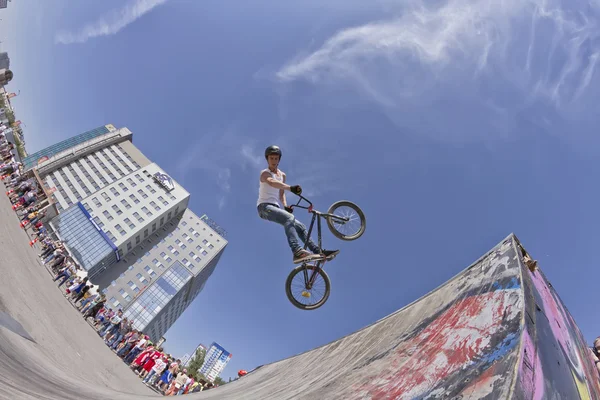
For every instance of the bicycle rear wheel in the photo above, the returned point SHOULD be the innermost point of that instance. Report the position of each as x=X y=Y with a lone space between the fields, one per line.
x=350 y=223
x=303 y=295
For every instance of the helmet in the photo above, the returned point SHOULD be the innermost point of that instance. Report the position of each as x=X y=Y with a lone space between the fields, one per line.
x=272 y=150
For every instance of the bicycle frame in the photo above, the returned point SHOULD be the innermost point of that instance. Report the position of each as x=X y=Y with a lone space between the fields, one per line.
x=316 y=215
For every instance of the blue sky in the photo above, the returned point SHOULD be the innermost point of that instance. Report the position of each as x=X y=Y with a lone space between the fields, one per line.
x=451 y=123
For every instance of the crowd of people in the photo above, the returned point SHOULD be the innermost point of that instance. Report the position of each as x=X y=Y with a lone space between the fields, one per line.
x=156 y=368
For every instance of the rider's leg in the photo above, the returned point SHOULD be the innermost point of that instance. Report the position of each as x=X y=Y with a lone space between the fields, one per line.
x=303 y=235
x=287 y=220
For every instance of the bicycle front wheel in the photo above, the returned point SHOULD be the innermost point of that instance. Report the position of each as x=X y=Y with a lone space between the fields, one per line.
x=304 y=294
x=347 y=221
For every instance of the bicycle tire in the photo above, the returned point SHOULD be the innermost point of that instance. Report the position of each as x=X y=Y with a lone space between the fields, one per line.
x=288 y=287
x=338 y=234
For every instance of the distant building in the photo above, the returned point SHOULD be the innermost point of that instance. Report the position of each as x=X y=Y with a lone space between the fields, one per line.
x=185 y=359
x=215 y=361
x=4 y=3
x=4 y=60
x=6 y=75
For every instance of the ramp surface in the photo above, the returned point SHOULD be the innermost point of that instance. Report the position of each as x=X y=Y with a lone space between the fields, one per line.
x=495 y=331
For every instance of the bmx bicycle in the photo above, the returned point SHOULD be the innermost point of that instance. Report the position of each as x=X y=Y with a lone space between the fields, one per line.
x=302 y=283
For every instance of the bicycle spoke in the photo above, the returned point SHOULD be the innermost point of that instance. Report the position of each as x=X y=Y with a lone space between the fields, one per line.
x=353 y=223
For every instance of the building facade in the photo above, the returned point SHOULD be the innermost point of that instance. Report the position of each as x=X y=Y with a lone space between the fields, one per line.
x=4 y=59
x=162 y=276
x=215 y=361
x=126 y=222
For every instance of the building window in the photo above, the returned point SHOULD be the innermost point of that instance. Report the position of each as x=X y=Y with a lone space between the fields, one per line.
x=129 y=223
x=163 y=255
x=150 y=189
x=145 y=233
x=129 y=246
x=114 y=302
x=142 y=193
x=123 y=187
x=120 y=229
x=111 y=236
x=107 y=215
x=131 y=182
x=105 y=196
x=178 y=242
x=96 y=202
x=139 y=177
x=117 y=209
x=162 y=221
x=138 y=216
x=125 y=203
x=168 y=259
x=183 y=223
x=132 y=197
x=156 y=206
x=114 y=191
x=137 y=239
x=98 y=222
x=85 y=205
x=148 y=212
x=133 y=286
x=169 y=215
x=162 y=199
x=153 y=227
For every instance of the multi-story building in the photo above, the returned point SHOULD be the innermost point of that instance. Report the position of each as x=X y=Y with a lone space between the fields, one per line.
x=161 y=277
x=119 y=214
x=185 y=359
x=6 y=76
x=4 y=3
x=4 y=59
x=215 y=361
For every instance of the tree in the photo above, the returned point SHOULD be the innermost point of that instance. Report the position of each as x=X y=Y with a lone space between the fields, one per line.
x=196 y=362
x=219 y=381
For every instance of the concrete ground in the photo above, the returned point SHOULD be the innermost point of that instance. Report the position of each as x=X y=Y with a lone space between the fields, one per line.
x=67 y=359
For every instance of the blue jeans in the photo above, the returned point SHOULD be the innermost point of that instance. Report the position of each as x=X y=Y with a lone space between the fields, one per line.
x=290 y=224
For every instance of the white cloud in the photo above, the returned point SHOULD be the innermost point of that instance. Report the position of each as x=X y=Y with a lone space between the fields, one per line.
x=219 y=157
x=111 y=23
x=495 y=55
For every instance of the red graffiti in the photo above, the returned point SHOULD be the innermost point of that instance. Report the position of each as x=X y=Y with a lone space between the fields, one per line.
x=444 y=347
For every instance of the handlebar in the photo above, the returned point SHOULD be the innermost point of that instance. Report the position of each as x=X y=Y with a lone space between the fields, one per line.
x=300 y=198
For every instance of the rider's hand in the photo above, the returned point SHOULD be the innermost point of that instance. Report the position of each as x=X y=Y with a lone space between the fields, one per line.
x=289 y=209
x=296 y=189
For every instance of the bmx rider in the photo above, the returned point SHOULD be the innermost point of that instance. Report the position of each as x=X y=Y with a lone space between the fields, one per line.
x=272 y=206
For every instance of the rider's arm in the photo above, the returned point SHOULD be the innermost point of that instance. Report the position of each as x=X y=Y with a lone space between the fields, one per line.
x=282 y=194
x=266 y=177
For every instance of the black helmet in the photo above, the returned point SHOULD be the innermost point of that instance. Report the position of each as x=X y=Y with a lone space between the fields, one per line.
x=272 y=150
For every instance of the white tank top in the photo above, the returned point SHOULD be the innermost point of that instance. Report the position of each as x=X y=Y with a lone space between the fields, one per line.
x=266 y=192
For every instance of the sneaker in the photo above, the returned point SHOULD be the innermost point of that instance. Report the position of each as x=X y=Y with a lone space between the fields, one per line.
x=303 y=255
x=330 y=254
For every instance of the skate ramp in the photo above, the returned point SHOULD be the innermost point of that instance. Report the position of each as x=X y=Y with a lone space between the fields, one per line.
x=495 y=331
